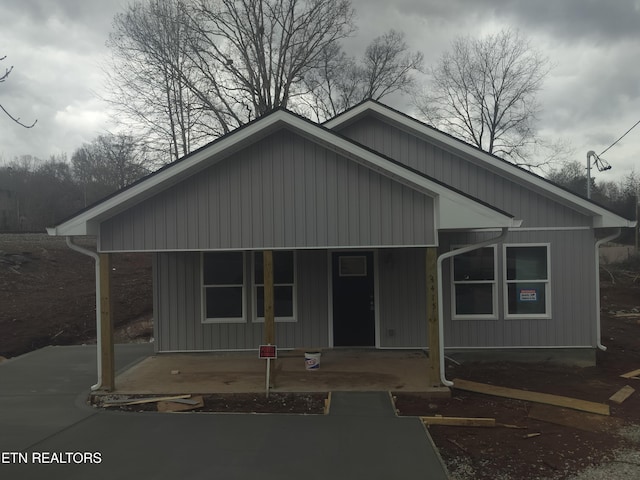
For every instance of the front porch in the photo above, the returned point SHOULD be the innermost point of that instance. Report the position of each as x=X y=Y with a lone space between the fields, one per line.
x=244 y=372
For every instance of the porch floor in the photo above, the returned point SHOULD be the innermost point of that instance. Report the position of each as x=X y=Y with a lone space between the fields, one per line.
x=340 y=370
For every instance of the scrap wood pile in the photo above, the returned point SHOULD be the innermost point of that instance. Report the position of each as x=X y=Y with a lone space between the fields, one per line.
x=173 y=403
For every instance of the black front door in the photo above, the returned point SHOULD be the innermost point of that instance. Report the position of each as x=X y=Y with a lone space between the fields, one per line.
x=353 y=301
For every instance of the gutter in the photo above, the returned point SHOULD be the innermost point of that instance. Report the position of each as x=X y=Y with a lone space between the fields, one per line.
x=597 y=255
x=96 y=258
x=441 y=259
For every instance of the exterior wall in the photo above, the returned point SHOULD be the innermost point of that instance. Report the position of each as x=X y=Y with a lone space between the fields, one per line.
x=571 y=241
x=178 y=302
x=282 y=192
x=464 y=174
x=573 y=315
x=207 y=212
x=402 y=306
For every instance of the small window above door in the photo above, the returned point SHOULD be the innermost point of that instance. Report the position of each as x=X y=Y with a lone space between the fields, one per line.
x=352 y=266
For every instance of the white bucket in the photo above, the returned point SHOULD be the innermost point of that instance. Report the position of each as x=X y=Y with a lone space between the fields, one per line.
x=312 y=360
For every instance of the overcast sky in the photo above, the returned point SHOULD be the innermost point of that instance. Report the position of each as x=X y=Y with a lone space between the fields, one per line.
x=590 y=98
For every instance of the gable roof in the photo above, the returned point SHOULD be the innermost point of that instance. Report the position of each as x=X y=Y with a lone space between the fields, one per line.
x=454 y=209
x=603 y=217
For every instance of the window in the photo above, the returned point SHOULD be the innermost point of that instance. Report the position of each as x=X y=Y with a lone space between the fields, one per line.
x=352 y=266
x=223 y=286
x=474 y=278
x=527 y=281
x=283 y=286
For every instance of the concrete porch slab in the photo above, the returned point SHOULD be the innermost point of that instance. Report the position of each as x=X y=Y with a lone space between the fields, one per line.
x=340 y=370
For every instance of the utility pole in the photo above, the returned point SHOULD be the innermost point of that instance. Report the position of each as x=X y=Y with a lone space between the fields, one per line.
x=600 y=163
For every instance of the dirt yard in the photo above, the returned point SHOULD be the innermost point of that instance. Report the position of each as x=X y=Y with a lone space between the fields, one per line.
x=47 y=297
x=47 y=294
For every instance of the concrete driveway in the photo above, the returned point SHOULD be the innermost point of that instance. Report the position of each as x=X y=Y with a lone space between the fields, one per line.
x=43 y=417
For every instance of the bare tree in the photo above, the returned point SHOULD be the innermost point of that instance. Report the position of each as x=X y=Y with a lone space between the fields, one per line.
x=484 y=91
x=3 y=78
x=110 y=162
x=149 y=77
x=259 y=51
x=192 y=70
x=340 y=82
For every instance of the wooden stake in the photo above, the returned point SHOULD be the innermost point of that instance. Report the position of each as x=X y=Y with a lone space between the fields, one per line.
x=269 y=317
x=106 y=324
x=433 y=331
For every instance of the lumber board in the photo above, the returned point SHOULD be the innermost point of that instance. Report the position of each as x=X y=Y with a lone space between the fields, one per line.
x=588 y=422
x=459 y=421
x=546 y=398
x=634 y=373
x=622 y=394
x=176 y=406
x=139 y=401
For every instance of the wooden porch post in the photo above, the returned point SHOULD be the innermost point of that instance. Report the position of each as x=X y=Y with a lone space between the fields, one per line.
x=432 y=318
x=106 y=321
x=269 y=317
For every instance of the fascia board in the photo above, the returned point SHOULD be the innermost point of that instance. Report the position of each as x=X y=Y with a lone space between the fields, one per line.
x=602 y=217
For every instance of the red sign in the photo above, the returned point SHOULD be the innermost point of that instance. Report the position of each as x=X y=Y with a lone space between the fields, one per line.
x=268 y=351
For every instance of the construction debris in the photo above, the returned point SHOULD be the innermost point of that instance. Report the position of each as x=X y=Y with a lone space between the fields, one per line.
x=587 y=422
x=531 y=435
x=459 y=421
x=633 y=374
x=622 y=394
x=508 y=425
x=559 y=401
x=139 y=401
x=181 y=405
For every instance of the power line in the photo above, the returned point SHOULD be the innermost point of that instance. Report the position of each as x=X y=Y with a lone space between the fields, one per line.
x=625 y=133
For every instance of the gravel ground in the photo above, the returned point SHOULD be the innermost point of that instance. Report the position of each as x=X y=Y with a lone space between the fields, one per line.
x=624 y=466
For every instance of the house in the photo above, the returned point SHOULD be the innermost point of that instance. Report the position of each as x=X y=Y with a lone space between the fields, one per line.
x=364 y=215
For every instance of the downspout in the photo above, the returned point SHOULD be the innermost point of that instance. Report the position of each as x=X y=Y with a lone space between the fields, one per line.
x=441 y=259
x=598 y=244
x=96 y=258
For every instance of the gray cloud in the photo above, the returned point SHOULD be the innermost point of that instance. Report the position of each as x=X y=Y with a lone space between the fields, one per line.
x=590 y=98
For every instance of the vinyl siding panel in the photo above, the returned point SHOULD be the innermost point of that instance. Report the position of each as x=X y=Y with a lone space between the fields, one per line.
x=282 y=192
x=573 y=294
x=402 y=303
x=178 y=307
x=464 y=174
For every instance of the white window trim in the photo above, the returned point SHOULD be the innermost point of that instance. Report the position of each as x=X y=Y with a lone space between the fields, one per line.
x=254 y=292
x=203 y=288
x=547 y=284
x=494 y=282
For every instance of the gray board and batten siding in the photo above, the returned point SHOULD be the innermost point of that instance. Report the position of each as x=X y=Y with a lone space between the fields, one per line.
x=178 y=300
x=465 y=174
x=284 y=191
x=304 y=196
x=568 y=232
x=178 y=303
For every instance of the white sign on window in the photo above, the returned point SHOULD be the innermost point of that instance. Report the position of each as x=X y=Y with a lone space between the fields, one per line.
x=528 y=295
